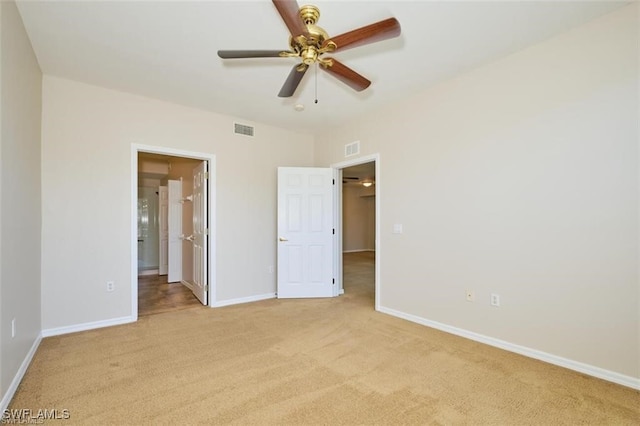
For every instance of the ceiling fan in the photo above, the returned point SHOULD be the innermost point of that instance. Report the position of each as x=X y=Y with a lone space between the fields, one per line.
x=347 y=179
x=309 y=42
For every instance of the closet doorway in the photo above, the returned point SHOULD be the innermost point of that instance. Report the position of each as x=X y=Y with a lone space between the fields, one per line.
x=173 y=223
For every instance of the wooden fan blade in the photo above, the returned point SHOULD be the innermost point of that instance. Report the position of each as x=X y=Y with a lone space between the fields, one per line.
x=347 y=75
x=289 y=87
x=239 y=54
x=372 y=33
x=288 y=9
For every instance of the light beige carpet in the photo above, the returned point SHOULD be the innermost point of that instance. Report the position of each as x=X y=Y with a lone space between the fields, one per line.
x=329 y=361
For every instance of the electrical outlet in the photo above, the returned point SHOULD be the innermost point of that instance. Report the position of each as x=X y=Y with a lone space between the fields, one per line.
x=13 y=328
x=110 y=285
x=469 y=295
x=495 y=299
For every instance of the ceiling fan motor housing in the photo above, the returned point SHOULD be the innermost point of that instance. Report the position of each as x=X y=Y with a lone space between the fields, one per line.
x=309 y=46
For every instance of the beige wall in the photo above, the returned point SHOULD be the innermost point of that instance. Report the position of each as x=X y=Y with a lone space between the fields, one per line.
x=518 y=178
x=20 y=212
x=98 y=126
x=358 y=218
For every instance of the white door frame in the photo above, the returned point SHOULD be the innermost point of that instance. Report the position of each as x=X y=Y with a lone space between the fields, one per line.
x=338 y=221
x=211 y=159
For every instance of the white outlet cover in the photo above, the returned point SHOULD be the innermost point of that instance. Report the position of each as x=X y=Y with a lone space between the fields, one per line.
x=495 y=299
x=397 y=228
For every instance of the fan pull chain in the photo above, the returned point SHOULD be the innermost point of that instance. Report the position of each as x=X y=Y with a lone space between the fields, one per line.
x=316 y=78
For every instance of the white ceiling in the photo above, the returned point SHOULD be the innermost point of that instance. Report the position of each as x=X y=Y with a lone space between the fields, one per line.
x=167 y=50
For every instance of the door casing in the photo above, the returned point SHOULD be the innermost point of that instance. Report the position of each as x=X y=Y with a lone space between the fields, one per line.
x=337 y=219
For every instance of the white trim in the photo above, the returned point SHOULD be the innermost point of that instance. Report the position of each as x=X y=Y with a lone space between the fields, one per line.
x=211 y=159
x=338 y=215
x=337 y=240
x=13 y=387
x=134 y=231
x=249 y=299
x=87 y=326
x=580 y=367
x=212 y=235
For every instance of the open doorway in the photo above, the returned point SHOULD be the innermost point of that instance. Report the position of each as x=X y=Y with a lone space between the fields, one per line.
x=359 y=231
x=165 y=257
x=172 y=228
x=357 y=247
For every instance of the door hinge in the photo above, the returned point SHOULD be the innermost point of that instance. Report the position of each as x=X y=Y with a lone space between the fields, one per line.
x=206 y=287
x=206 y=175
x=206 y=231
x=334 y=231
x=334 y=280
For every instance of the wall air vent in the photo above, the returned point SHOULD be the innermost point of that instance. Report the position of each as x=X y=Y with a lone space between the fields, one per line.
x=242 y=129
x=352 y=148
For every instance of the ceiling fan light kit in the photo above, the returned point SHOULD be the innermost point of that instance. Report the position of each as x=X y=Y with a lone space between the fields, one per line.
x=309 y=42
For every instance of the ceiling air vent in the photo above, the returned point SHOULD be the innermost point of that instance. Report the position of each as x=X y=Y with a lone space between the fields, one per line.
x=242 y=129
x=352 y=148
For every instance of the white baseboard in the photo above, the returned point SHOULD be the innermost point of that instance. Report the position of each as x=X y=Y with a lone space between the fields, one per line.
x=244 y=300
x=86 y=326
x=148 y=272
x=13 y=387
x=590 y=370
x=357 y=251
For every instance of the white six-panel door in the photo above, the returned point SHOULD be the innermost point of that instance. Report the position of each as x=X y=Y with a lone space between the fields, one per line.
x=305 y=232
x=175 y=231
x=200 y=232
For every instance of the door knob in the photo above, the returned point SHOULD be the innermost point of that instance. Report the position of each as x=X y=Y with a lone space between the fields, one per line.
x=282 y=239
